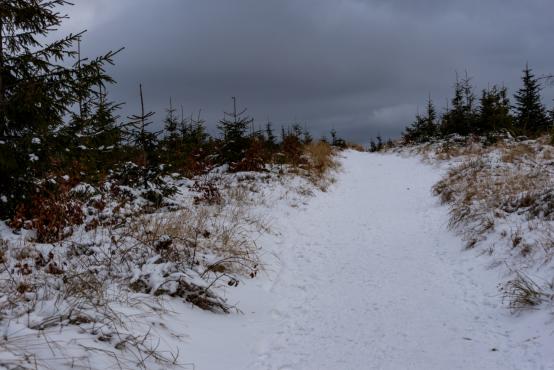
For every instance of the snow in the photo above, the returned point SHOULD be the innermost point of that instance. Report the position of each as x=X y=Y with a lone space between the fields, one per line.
x=363 y=276
x=367 y=276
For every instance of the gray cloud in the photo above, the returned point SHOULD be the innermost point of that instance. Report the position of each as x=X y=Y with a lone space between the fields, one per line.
x=360 y=66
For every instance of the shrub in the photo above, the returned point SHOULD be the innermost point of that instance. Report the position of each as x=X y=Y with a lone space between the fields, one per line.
x=52 y=213
x=254 y=159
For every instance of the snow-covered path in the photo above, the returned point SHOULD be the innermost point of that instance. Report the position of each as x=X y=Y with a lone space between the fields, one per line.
x=370 y=278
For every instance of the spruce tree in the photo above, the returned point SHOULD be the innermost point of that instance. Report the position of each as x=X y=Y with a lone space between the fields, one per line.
x=430 y=121
x=192 y=139
x=184 y=126
x=171 y=143
x=424 y=128
x=531 y=117
x=198 y=134
x=307 y=137
x=234 y=127
x=97 y=142
x=372 y=146
x=336 y=140
x=93 y=134
x=494 y=112
x=297 y=131
x=379 y=143
x=462 y=117
x=38 y=90
x=270 y=137
x=145 y=142
x=413 y=133
x=333 y=137
x=171 y=123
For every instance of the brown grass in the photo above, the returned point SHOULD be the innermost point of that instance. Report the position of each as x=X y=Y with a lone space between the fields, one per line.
x=193 y=233
x=511 y=151
x=492 y=187
x=519 y=151
x=321 y=161
x=448 y=151
x=480 y=194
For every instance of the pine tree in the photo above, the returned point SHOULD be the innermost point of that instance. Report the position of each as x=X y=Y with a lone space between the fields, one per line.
x=93 y=134
x=37 y=91
x=145 y=141
x=171 y=144
x=461 y=119
x=192 y=140
x=297 y=131
x=414 y=132
x=184 y=126
x=333 y=137
x=336 y=140
x=307 y=137
x=494 y=112
x=270 y=137
x=430 y=121
x=234 y=127
x=372 y=146
x=198 y=135
x=531 y=114
x=424 y=128
x=379 y=143
x=171 y=123
x=100 y=138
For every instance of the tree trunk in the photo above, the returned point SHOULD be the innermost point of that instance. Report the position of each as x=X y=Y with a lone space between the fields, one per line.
x=2 y=93
x=3 y=121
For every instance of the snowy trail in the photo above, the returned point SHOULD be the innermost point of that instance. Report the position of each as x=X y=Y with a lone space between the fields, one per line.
x=370 y=278
x=370 y=281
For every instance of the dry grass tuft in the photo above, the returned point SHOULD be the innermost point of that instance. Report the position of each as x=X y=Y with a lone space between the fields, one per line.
x=523 y=293
x=518 y=152
x=478 y=187
x=193 y=233
x=321 y=162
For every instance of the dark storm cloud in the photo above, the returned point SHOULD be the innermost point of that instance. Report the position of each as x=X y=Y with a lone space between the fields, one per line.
x=362 y=67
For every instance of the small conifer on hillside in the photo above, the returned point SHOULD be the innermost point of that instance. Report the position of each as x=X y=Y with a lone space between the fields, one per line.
x=531 y=116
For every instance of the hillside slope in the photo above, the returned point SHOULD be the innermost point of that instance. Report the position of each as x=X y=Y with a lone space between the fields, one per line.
x=363 y=276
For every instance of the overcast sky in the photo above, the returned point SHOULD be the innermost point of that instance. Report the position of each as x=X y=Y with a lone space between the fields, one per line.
x=360 y=66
